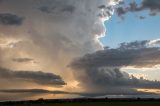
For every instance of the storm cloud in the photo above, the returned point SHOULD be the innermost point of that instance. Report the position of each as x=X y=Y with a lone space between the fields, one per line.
x=10 y=19
x=137 y=54
x=38 y=77
x=52 y=30
x=53 y=33
x=102 y=70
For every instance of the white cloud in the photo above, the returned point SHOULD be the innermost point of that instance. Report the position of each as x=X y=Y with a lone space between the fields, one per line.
x=154 y=43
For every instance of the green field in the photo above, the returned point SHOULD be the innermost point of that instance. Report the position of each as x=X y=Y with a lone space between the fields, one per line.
x=93 y=104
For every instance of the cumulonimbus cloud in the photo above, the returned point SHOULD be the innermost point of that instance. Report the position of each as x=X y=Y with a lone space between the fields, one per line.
x=53 y=33
x=52 y=30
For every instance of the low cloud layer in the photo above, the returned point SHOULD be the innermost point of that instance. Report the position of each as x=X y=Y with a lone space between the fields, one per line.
x=10 y=19
x=84 y=94
x=101 y=70
x=153 y=6
x=21 y=60
x=38 y=77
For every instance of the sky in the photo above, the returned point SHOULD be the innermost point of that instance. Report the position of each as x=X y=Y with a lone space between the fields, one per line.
x=80 y=48
x=131 y=28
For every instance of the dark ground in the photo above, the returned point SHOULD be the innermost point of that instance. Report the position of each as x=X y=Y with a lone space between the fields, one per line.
x=86 y=102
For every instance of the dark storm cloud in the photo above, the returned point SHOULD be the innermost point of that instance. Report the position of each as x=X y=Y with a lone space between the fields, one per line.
x=10 y=19
x=112 y=80
x=39 y=77
x=152 y=5
x=102 y=68
x=135 y=54
x=21 y=60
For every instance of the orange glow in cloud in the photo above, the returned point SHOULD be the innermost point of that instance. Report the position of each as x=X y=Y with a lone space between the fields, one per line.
x=157 y=91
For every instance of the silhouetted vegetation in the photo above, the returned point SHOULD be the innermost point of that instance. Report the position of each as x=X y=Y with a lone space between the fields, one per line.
x=85 y=102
